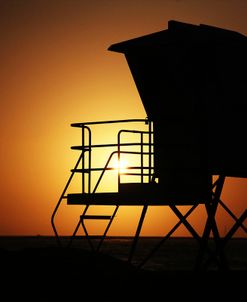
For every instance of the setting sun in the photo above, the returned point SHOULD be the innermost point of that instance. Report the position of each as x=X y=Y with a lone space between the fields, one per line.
x=120 y=165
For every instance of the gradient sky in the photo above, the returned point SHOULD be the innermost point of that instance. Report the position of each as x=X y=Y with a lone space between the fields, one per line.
x=56 y=70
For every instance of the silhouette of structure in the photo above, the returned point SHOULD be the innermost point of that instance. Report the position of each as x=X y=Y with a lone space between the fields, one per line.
x=192 y=82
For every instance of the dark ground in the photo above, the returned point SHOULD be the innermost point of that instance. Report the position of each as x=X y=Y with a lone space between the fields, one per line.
x=37 y=269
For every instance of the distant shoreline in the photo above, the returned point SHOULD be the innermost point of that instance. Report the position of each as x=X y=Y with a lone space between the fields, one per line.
x=109 y=237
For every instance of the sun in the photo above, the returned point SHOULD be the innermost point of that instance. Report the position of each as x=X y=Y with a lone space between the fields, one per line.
x=120 y=165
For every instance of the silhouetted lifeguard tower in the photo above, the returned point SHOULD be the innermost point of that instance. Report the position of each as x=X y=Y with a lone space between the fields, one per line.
x=192 y=82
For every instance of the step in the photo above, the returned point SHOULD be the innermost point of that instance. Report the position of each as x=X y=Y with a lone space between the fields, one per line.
x=96 y=217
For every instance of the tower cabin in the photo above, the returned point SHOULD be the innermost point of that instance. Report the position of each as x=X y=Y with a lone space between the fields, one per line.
x=192 y=81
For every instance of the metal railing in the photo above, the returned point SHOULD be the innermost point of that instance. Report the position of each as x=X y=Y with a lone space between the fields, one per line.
x=138 y=170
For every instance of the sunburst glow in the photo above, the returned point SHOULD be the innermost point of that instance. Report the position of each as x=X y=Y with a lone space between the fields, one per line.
x=120 y=165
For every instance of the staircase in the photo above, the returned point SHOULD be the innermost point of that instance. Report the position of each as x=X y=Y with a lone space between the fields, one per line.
x=84 y=217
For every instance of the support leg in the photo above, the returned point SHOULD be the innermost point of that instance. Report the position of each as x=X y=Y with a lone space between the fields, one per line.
x=211 y=226
x=168 y=235
x=144 y=210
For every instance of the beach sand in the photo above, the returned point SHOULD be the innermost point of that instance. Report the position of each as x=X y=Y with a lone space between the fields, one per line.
x=37 y=269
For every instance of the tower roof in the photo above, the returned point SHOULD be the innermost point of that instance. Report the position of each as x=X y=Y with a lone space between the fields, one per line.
x=180 y=32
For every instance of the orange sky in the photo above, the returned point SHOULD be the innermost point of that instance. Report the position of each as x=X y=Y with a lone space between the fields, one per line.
x=56 y=70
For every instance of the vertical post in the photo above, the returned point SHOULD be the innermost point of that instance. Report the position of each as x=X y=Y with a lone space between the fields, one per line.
x=118 y=158
x=83 y=158
x=89 y=159
x=142 y=158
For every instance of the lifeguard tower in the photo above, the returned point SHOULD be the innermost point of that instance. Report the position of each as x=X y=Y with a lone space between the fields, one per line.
x=192 y=82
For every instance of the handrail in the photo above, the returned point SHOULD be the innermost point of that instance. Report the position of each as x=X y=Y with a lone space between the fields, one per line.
x=80 y=125
x=89 y=147
x=108 y=145
x=118 y=145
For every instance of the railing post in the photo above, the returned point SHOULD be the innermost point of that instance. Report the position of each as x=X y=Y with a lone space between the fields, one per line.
x=83 y=159
x=142 y=158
